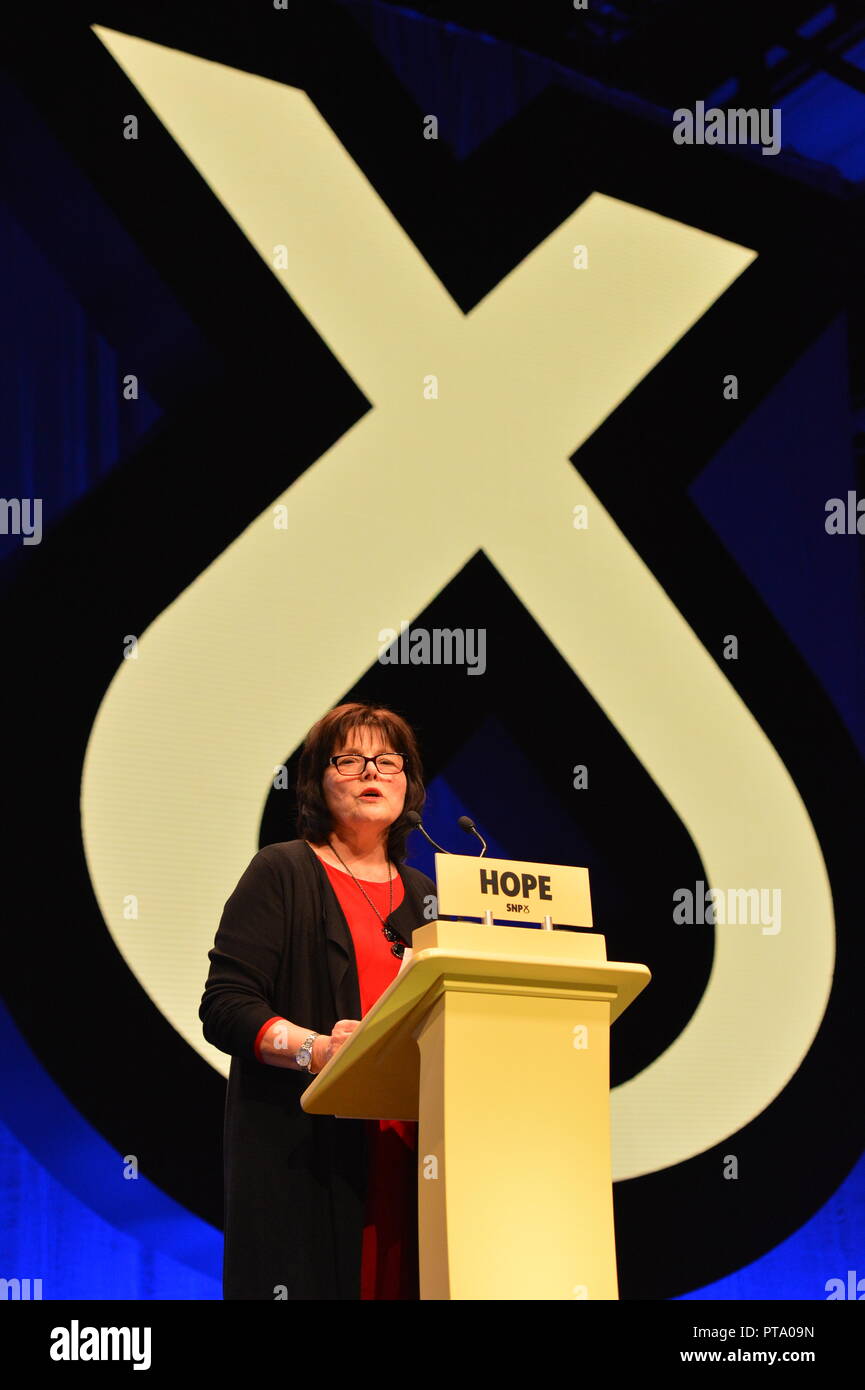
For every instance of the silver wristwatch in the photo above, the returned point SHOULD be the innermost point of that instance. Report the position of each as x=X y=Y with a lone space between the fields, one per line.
x=304 y=1056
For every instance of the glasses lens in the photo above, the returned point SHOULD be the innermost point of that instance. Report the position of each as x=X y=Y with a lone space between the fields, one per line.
x=349 y=765
x=389 y=763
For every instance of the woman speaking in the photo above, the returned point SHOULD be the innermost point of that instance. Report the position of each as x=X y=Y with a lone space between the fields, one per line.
x=318 y=1207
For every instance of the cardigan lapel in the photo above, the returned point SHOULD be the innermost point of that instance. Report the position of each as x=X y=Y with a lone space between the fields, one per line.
x=340 y=947
x=404 y=919
x=345 y=985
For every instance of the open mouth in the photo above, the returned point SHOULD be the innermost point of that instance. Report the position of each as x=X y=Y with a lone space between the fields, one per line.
x=370 y=796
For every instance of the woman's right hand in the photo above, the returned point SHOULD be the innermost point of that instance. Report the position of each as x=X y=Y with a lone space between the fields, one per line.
x=327 y=1045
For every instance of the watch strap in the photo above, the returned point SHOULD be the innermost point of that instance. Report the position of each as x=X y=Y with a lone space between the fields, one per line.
x=306 y=1046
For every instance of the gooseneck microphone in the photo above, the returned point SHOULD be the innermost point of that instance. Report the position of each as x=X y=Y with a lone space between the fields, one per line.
x=467 y=824
x=418 y=825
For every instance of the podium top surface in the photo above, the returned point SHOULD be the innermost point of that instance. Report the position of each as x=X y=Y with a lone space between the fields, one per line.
x=381 y=1056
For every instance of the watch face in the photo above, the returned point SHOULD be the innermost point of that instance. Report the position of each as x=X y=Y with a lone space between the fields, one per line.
x=303 y=1056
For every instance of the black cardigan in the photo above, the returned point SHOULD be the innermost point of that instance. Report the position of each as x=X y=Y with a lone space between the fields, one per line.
x=295 y=1184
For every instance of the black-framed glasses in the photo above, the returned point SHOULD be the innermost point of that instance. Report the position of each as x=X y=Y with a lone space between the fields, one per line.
x=354 y=764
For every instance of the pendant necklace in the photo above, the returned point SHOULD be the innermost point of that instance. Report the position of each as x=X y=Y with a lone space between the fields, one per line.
x=397 y=946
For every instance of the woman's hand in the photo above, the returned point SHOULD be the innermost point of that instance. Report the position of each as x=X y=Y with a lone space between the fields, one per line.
x=327 y=1045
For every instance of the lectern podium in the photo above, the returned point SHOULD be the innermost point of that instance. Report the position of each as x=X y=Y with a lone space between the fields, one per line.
x=495 y=1038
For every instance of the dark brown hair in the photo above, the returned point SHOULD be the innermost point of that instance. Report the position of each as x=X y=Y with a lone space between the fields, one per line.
x=314 y=821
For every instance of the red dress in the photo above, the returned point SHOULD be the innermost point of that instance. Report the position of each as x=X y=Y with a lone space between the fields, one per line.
x=389 y=1259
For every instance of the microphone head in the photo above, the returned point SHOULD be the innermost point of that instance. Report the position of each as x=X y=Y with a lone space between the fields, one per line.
x=413 y=817
x=467 y=824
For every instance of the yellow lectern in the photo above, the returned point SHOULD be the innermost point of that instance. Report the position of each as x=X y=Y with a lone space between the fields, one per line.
x=495 y=1038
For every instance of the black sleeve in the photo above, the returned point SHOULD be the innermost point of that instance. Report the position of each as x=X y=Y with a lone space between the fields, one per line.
x=245 y=960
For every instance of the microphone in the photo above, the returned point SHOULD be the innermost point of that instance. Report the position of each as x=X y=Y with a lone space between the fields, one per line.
x=467 y=824
x=417 y=824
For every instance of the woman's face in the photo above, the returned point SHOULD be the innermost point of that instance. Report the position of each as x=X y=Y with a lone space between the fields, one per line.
x=368 y=798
